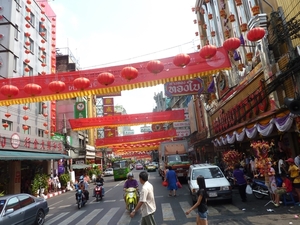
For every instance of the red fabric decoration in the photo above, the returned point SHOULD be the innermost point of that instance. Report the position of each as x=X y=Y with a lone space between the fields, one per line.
x=81 y=83
x=232 y=44
x=32 y=89
x=130 y=139
x=56 y=86
x=127 y=120
x=208 y=51
x=9 y=90
x=256 y=34
x=155 y=66
x=106 y=78
x=129 y=73
x=181 y=60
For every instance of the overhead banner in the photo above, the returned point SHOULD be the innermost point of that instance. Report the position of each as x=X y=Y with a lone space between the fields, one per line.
x=39 y=90
x=128 y=120
x=132 y=139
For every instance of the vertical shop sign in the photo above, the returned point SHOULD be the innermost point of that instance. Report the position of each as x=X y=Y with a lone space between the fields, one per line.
x=80 y=110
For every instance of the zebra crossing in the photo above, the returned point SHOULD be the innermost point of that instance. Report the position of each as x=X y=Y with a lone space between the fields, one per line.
x=104 y=215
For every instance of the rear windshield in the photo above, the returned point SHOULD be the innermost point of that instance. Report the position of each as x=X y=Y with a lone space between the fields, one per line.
x=207 y=173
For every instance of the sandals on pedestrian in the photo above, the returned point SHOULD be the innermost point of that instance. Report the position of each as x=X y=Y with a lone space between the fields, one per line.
x=170 y=195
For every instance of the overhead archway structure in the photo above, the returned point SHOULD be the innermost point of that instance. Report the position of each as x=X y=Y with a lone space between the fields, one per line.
x=85 y=83
x=128 y=120
x=136 y=138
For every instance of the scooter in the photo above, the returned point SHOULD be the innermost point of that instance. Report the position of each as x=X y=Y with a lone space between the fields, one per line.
x=131 y=198
x=260 y=190
x=81 y=200
x=98 y=191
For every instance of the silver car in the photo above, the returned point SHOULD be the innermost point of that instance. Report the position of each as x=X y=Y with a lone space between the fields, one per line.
x=23 y=209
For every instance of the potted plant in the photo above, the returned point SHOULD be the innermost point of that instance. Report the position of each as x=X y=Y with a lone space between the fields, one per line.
x=40 y=183
x=64 y=179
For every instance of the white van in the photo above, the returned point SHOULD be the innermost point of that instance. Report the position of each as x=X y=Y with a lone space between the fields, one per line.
x=217 y=186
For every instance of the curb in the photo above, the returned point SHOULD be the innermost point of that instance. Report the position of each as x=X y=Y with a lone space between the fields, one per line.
x=50 y=195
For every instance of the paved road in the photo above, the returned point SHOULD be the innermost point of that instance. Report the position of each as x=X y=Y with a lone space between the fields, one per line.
x=170 y=210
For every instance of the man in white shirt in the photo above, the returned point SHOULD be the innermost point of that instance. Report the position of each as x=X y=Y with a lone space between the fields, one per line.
x=146 y=202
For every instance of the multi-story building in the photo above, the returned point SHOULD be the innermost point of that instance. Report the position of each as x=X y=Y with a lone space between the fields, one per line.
x=246 y=103
x=27 y=48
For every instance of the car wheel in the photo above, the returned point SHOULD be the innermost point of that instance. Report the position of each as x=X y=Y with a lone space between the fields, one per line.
x=40 y=218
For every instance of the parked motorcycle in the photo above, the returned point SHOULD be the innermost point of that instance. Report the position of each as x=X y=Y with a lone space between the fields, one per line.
x=98 y=191
x=260 y=190
x=81 y=200
x=131 y=198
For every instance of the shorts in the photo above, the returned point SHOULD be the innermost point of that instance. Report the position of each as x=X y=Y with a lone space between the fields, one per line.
x=203 y=216
x=280 y=191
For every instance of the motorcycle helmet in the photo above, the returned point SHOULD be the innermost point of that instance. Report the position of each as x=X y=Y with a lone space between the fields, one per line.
x=81 y=178
x=129 y=175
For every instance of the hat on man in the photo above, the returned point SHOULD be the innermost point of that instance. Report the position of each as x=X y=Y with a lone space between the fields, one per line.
x=291 y=160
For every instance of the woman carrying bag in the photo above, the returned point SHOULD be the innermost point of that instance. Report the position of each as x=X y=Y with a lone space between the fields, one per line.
x=172 y=180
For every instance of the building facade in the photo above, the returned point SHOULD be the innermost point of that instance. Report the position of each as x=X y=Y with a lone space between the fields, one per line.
x=27 y=48
x=247 y=103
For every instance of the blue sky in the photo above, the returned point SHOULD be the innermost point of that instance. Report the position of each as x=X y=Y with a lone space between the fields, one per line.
x=103 y=33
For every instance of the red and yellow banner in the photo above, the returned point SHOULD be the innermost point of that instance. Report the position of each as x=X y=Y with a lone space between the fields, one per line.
x=133 y=139
x=127 y=120
x=198 y=67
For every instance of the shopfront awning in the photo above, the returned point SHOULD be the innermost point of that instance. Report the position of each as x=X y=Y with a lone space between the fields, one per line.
x=80 y=166
x=22 y=155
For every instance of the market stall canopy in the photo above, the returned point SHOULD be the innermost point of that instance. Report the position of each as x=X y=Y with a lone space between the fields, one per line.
x=22 y=155
x=80 y=166
x=66 y=85
x=128 y=120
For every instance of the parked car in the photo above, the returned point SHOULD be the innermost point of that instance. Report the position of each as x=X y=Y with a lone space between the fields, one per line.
x=139 y=166
x=23 y=209
x=109 y=172
x=150 y=167
x=217 y=186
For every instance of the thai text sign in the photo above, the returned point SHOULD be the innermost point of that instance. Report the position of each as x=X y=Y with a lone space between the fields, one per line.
x=186 y=87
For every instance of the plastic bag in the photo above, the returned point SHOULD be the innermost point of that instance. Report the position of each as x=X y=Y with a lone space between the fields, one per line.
x=249 y=190
x=179 y=184
x=165 y=183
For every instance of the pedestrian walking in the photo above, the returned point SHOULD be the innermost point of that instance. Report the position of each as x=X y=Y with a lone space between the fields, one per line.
x=240 y=180
x=146 y=202
x=172 y=180
x=201 y=203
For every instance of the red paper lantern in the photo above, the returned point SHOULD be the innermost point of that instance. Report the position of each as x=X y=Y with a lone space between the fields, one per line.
x=27 y=61
x=232 y=44
x=208 y=51
x=56 y=86
x=9 y=90
x=45 y=114
x=46 y=131
x=106 y=78
x=27 y=34
x=26 y=69
x=25 y=117
x=129 y=73
x=45 y=124
x=256 y=34
x=7 y=115
x=25 y=107
x=81 y=83
x=155 y=66
x=181 y=60
x=5 y=125
x=25 y=127
x=32 y=89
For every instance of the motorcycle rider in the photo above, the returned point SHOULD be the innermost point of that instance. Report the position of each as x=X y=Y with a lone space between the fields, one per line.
x=130 y=183
x=83 y=185
x=100 y=180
